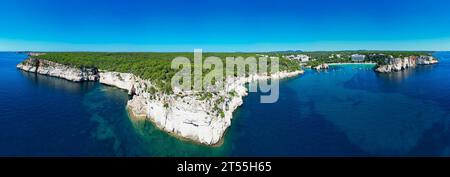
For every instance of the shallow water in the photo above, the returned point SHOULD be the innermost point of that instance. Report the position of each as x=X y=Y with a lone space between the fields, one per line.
x=348 y=110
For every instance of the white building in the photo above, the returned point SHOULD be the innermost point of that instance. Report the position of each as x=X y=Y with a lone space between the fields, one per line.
x=358 y=58
x=301 y=58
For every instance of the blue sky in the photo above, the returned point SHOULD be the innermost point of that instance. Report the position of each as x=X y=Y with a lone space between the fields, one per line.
x=219 y=25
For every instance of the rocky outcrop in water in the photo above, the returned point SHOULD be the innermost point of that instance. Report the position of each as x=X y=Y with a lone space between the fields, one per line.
x=321 y=67
x=426 y=60
x=184 y=114
x=392 y=64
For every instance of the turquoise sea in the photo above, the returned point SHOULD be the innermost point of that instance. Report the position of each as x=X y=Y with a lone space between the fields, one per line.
x=348 y=110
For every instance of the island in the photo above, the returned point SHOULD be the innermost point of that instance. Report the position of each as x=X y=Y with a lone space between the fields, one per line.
x=199 y=117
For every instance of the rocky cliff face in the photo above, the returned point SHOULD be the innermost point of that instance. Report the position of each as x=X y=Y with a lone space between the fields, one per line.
x=183 y=114
x=58 y=70
x=321 y=66
x=399 y=64
x=426 y=60
x=124 y=81
x=201 y=120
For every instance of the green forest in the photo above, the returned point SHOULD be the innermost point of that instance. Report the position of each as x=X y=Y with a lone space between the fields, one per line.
x=320 y=57
x=156 y=66
x=153 y=66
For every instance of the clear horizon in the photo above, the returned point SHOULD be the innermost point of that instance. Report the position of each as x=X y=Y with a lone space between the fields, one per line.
x=224 y=26
x=226 y=51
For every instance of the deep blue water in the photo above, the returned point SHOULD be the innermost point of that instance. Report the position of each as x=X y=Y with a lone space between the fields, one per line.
x=346 y=111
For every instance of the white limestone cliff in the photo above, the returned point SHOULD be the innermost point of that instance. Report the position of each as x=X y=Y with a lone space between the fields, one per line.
x=399 y=64
x=58 y=70
x=184 y=114
x=426 y=60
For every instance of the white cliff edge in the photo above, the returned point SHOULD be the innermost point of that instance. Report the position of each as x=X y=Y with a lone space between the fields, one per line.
x=399 y=64
x=183 y=114
x=58 y=70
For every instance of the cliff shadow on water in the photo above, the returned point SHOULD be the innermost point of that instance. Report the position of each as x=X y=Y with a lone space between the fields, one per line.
x=401 y=76
x=57 y=83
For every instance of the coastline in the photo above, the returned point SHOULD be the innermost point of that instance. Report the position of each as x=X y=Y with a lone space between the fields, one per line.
x=399 y=64
x=334 y=64
x=185 y=117
x=131 y=115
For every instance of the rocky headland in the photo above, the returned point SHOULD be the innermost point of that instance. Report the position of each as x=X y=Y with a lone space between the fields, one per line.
x=392 y=64
x=202 y=118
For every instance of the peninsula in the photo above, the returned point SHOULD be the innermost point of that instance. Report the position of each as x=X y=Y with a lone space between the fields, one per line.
x=199 y=117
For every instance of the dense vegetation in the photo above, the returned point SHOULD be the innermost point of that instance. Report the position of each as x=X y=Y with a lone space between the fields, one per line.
x=156 y=66
x=319 y=57
x=151 y=66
